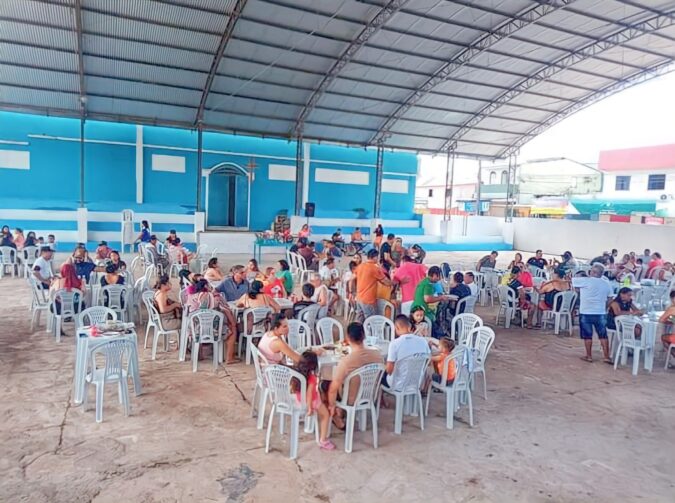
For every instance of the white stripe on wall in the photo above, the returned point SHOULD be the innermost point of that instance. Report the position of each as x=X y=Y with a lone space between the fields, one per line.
x=392 y=185
x=14 y=159
x=38 y=215
x=282 y=172
x=343 y=176
x=13 y=142
x=160 y=218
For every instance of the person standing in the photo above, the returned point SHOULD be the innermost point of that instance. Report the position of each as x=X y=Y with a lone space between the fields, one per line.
x=488 y=261
x=386 y=258
x=594 y=293
x=42 y=268
x=408 y=276
x=364 y=283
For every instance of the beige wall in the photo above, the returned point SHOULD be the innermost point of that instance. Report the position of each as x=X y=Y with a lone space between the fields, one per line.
x=587 y=239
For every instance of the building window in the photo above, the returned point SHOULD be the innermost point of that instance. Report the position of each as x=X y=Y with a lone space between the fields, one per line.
x=493 y=177
x=622 y=183
x=431 y=192
x=505 y=177
x=656 y=182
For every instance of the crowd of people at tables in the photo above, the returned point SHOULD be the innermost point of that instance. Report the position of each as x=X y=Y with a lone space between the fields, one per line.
x=388 y=271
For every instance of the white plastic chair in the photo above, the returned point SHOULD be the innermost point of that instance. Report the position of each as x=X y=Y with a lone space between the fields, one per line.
x=39 y=302
x=369 y=381
x=508 y=305
x=461 y=385
x=207 y=327
x=669 y=354
x=480 y=340
x=563 y=303
x=117 y=298
x=303 y=273
x=380 y=327
x=325 y=332
x=625 y=329
x=116 y=370
x=466 y=305
x=488 y=286
x=28 y=257
x=260 y=389
x=413 y=368
x=70 y=306
x=8 y=258
x=285 y=403
x=384 y=307
x=96 y=315
x=155 y=322
x=136 y=300
x=176 y=265
x=299 y=336
x=253 y=328
x=309 y=315
x=462 y=325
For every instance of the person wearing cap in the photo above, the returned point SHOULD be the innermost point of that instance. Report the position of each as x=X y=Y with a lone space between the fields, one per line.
x=42 y=268
x=568 y=263
x=176 y=249
x=102 y=251
x=158 y=257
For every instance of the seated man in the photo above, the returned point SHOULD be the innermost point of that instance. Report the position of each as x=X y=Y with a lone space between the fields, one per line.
x=488 y=261
x=538 y=260
x=235 y=285
x=329 y=274
x=102 y=252
x=158 y=257
x=405 y=344
x=337 y=238
x=306 y=301
x=357 y=240
x=470 y=281
x=83 y=264
x=459 y=289
x=358 y=357
x=331 y=250
x=306 y=251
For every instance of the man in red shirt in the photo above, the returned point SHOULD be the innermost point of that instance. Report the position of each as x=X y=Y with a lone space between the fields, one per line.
x=408 y=276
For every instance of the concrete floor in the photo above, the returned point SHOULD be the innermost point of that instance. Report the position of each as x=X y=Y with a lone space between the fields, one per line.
x=554 y=428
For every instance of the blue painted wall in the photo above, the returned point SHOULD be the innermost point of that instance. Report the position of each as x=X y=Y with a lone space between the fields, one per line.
x=53 y=180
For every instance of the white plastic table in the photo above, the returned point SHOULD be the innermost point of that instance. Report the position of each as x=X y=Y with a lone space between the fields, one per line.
x=329 y=359
x=85 y=344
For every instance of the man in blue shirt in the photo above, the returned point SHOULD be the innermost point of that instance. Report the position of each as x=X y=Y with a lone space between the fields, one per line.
x=235 y=285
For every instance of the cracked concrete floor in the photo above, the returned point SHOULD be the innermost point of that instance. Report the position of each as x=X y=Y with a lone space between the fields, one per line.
x=554 y=428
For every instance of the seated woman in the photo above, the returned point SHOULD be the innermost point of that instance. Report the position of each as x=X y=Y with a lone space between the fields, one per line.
x=175 y=247
x=257 y=298
x=202 y=296
x=144 y=236
x=19 y=239
x=273 y=345
x=284 y=274
x=304 y=232
x=547 y=292
x=322 y=295
x=213 y=272
x=253 y=272
x=517 y=286
x=102 y=252
x=517 y=262
x=169 y=310
x=6 y=238
x=67 y=281
x=112 y=276
x=668 y=319
x=115 y=260
x=621 y=305
x=31 y=240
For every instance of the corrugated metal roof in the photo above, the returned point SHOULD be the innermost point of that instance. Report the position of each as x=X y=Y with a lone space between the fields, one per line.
x=481 y=78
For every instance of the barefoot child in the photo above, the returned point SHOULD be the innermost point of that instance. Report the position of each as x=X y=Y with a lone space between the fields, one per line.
x=307 y=366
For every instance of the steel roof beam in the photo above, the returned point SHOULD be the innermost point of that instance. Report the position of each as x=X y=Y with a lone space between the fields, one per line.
x=616 y=39
x=461 y=45
x=657 y=70
x=222 y=45
x=501 y=32
x=491 y=10
x=356 y=61
x=384 y=14
x=77 y=6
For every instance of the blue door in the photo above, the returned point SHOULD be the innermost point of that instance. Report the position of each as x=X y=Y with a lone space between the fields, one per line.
x=227 y=197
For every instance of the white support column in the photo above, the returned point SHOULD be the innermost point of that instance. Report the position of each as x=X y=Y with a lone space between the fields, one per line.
x=305 y=173
x=82 y=228
x=139 y=164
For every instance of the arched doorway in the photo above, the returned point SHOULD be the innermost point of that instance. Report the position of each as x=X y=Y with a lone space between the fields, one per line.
x=227 y=196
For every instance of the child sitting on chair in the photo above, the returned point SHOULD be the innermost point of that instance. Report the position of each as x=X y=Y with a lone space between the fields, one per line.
x=308 y=367
x=420 y=324
x=445 y=346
